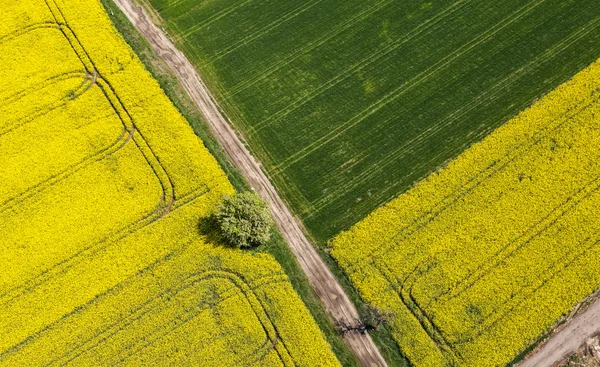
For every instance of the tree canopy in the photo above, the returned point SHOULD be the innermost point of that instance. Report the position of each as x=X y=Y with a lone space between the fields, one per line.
x=244 y=220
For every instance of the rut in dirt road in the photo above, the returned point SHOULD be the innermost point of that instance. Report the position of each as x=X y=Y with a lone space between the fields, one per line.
x=324 y=284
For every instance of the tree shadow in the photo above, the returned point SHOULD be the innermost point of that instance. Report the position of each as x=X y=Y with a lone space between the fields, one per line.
x=209 y=228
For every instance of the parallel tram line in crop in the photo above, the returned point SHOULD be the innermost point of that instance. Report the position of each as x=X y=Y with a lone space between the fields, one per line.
x=32 y=27
x=493 y=278
x=343 y=103
x=502 y=254
x=569 y=203
x=50 y=82
x=258 y=296
x=478 y=178
x=555 y=270
x=273 y=341
x=347 y=73
x=240 y=288
x=447 y=343
x=209 y=21
x=152 y=159
x=161 y=209
x=62 y=267
x=293 y=13
x=67 y=172
x=413 y=82
x=86 y=84
x=168 y=191
x=113 y=147
x=244 y=84
x=429 y=326
x=488 y=95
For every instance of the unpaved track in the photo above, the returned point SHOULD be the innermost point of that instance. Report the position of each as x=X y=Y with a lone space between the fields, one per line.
x=566 y=341
x=325 y=285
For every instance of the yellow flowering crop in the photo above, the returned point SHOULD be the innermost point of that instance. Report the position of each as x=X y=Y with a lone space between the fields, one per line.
x=103 y=186
x=483 y=256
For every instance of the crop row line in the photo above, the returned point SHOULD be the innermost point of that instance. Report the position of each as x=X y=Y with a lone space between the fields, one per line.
x=150 y=305
x=22 y=31
x=161 y=209
x=49 y=82
x=85 y=85
x=413 y=82
x=567 y=205
x=515 y=245
x=447 y=343
x=347 y=73
x=427 y=324
x=244 y=287
x=210 y=20
x=483 y=98
x=266 y=29
x=243 y=85
x=479 y=177
x=428 y=264
x=167 y=204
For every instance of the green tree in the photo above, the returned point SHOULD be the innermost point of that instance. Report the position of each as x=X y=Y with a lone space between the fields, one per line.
x=244 y=220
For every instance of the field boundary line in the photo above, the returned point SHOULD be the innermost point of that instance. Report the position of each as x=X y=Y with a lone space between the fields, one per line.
x=479 y=177
x=335 y=301
x=479 y=100
x=167 y=204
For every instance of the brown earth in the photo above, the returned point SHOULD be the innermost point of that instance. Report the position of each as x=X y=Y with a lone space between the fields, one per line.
x=567 y=340
x=588 y=355
x=325 y=285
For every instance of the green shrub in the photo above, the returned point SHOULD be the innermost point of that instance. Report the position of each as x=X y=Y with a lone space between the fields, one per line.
x=244 y=220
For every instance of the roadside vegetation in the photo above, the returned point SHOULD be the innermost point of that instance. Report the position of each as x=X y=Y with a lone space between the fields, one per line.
x=104 y=183
x=276 y=247
x=348 y=104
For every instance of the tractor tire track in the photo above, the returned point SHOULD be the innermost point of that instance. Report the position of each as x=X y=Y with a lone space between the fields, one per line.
x=324 y=284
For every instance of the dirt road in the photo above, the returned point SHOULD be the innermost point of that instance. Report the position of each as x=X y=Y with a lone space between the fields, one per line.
x=566 y=341
x=325 y=285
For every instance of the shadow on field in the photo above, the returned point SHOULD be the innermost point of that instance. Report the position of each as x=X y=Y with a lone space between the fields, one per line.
x=209 y=228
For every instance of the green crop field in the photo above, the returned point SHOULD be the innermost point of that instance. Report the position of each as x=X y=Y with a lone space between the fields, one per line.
x=349 y=103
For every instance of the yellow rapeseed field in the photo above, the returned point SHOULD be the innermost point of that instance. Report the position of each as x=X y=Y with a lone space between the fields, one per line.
x=483 y=256
x=102 y=187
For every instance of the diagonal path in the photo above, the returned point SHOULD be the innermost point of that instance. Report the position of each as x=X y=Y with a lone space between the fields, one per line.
x=325 y=285
x=566 y=341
